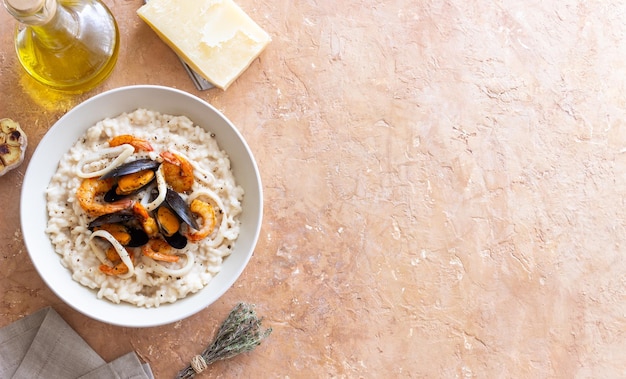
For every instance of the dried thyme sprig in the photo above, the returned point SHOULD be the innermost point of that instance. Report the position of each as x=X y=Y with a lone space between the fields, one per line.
x=241 y=332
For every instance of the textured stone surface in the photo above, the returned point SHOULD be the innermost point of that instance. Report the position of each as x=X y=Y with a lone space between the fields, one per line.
x=443 y=190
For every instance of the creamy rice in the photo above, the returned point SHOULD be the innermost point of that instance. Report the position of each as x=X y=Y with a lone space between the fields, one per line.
x=149 y=286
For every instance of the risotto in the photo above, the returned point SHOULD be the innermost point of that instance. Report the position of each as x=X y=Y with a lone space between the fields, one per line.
x=123 y=246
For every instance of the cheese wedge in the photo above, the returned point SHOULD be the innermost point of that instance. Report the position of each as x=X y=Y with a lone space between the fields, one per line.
x=214 y=37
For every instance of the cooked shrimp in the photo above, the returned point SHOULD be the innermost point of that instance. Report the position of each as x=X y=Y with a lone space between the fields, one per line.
x=112 y=254
x=119 y=267
x=148 y=223
x=92 y=187
x=207 y=214
x=159 y=250
x=125 y=255
x=138 y=143
x=178 y=171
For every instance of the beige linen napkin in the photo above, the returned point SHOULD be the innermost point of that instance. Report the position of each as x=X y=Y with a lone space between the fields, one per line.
x=43 y=345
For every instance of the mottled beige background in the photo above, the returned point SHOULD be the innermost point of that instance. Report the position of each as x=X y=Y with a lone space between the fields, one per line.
x=443 y=186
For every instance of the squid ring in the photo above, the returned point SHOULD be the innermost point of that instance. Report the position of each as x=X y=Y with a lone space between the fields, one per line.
x=120 y=153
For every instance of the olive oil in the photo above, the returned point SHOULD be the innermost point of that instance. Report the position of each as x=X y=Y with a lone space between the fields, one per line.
x=68 y=45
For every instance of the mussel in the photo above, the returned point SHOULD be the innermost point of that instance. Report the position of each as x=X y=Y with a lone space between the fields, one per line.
x=130 y=235
x=169 y=226
x=180 y=207
x=130 y=183
x=132 y=177
x=131 y=168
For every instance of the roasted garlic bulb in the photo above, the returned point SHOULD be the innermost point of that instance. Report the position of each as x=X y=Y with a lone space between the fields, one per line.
x=13 y=144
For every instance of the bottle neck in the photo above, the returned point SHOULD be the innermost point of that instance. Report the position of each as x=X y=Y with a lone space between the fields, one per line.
x=53 y=24
x=32 y=12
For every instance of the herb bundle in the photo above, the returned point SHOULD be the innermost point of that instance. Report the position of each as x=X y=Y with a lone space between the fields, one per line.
x=241 y=332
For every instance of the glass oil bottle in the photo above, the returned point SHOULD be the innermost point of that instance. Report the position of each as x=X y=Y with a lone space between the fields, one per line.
x=69 y=45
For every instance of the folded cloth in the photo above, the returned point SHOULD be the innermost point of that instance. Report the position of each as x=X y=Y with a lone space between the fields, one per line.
x=43 y=345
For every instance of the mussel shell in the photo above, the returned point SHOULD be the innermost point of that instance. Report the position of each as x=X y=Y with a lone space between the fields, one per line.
x=131 y=168
x=137 y=237
x=121 y=217
x=180 y=207
x=111 y=196
x=176 y=240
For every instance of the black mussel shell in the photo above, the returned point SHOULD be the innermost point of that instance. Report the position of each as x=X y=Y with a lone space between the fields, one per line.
x=176 y=240
x=111 y=196
x=137 y=237
x=180 y=207
x=121 y=217
x=131 y=168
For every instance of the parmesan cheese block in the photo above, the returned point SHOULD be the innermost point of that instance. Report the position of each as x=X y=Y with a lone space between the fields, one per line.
x=214 y=37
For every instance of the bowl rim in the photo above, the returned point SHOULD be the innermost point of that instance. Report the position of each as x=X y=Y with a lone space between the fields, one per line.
x=60 y=137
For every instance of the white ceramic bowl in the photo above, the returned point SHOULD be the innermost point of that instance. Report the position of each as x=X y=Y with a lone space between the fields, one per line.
x=62 y=136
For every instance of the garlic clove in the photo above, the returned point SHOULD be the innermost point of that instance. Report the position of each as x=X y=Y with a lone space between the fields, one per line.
x=13 y=143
